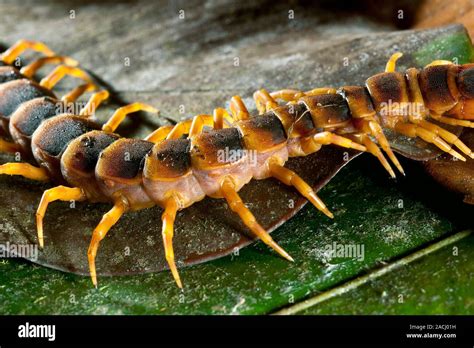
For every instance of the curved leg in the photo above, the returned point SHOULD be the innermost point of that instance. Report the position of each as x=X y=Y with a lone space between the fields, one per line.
x=108 y=220
x=290 y=178
x=20 y=46
x=326 y=138
x=413 y=130
x=184 y=127
x=392 y=62
x=236 y=205
x=264 y=101
x=372 y=127
x=159 y=134
x=94 y=101
x=31 y=69
x=199 y=122
x=73 y=95
x=374 y=150
x=120 y=114
x=26 y=170
x=61 y=193
x=8 y=147
x=238 y=109
x=61 y=71
x=168 y=217
x=449 y=137
x=453 y=121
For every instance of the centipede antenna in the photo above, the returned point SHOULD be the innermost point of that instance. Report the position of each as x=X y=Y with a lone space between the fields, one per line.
x=20 y=46
x=32 y=68
x=168 y=217
x=237 y=205
x=120 y=114
x=61 y=193
x=108 y=220
x=290 y=178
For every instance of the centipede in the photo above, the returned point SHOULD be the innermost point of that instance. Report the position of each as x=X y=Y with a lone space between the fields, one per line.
x=178 y=165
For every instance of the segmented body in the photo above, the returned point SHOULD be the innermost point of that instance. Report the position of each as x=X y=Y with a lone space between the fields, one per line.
x=184 y=164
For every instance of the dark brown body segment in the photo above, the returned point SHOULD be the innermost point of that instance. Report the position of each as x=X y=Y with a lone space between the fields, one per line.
x=53 y=135
x=15 y=93
x=123 y=159
x=80 y=158
x=206 y=147
x=9 y=73
x=296 y=120
x=358 y=99
x=173 y=159
x=327 y=110
x=262 y=133
x=436 y=84
x=464 y=109
x=386 y=87
x=27 y=118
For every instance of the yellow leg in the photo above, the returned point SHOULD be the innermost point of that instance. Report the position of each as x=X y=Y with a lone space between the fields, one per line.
x=264 y=101
x=453 y=121
x=8 y=147
x=218 y=116
x=95 y=100
x=168 y=217
x=449 y=137
x=61 y=193
x=26 y=170
x=374 y=150
x=73 y=95
x=236 y=205
x=199 y=122
x=119 y=115
x=61 y=71
x=290 y=95
x=373 y=128
x=184 y=127
x=159 y=134
x=108 y=220
x=20 y=46
x=413 y=130
x=392 y=62
x=290 y=178
x=238 y=109
x=440 y=62
x=31 y=69
x=287 y=95
x=326 y=138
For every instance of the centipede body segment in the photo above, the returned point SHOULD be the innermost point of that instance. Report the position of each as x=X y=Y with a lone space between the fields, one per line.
x=216 y=155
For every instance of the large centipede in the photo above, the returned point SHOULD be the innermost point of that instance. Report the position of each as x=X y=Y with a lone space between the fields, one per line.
x=216 y=155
